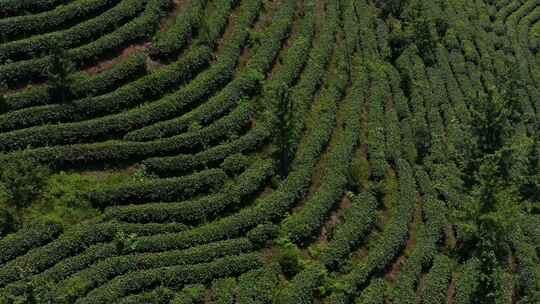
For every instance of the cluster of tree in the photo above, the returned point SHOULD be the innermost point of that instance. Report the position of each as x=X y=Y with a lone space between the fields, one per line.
x=496 y=182
x=59 y=75
x=414 y=22
x=21 y=181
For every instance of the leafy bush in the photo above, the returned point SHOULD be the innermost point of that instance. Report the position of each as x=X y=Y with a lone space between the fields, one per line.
x=262 y=234
x=235 y=164
x=21 y=180
x=288 y=258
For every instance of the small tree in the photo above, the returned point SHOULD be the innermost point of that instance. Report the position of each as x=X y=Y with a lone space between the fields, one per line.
x=125 y=242
x=392 y=7
x=59 y=75
x=422 y=30
x=4 y=107
x=487 y=219
x=3 y=104
x=7 y=224
x=288 y=257
x=283 y=127
x=22 y=180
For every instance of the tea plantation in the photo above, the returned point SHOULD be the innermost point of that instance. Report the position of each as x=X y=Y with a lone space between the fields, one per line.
x=270 y=151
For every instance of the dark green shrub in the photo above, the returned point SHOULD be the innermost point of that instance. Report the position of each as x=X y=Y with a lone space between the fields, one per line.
x=23 y=180
x=263 y=233
x=59 y=79
x=288 y=258
x=7 y=224
x=125 y=242
x=235 y=164
x=4 y=107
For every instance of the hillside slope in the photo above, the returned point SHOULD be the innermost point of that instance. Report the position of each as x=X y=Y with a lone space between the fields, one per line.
x=270 y=151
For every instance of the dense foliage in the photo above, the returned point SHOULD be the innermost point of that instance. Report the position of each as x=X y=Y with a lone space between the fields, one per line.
x=270 y=151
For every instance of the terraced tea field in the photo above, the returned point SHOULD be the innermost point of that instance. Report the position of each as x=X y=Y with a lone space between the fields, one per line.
x=270 y=151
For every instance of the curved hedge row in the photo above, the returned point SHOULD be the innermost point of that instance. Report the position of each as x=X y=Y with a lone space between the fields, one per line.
x=159 y=189
x=103 y=271
x=86 y=255
x=174 y=276
x=111 y=152
x=404 y=290
x=187 y=22
x=531 y=227
x=468 y=282
x=20 y=242
x=387 y=246
x=265 y=128
x=528 y=260
x=191 y=294
x=437 y=281
x=266 y=209
x=270 y=208
x=191 y=140
x=170 y=42
x=223 y=291
x=312 y=76
x=428 y=234
x=126 y=70
x=20 y=7
x=357 y=221
x=150 y=117
x=130 y=95
x=228 y=98
x=159 y=295
x=204 y=85
x=423 y=180
x=258 y=285
x=303 y=286
x=194 y=91
x=377 y=153
x=294 y=59
x=374 y=293
x=231 y=124
x=400 y=100
x=13 y=74
x=71 y=242
x=260 y=62
x=393 y=145
x=75 y=36
x=61 y=156
x=197 y=210
x=302 y=225
x=165 y=166
x=22 y=26
x=268 y=44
